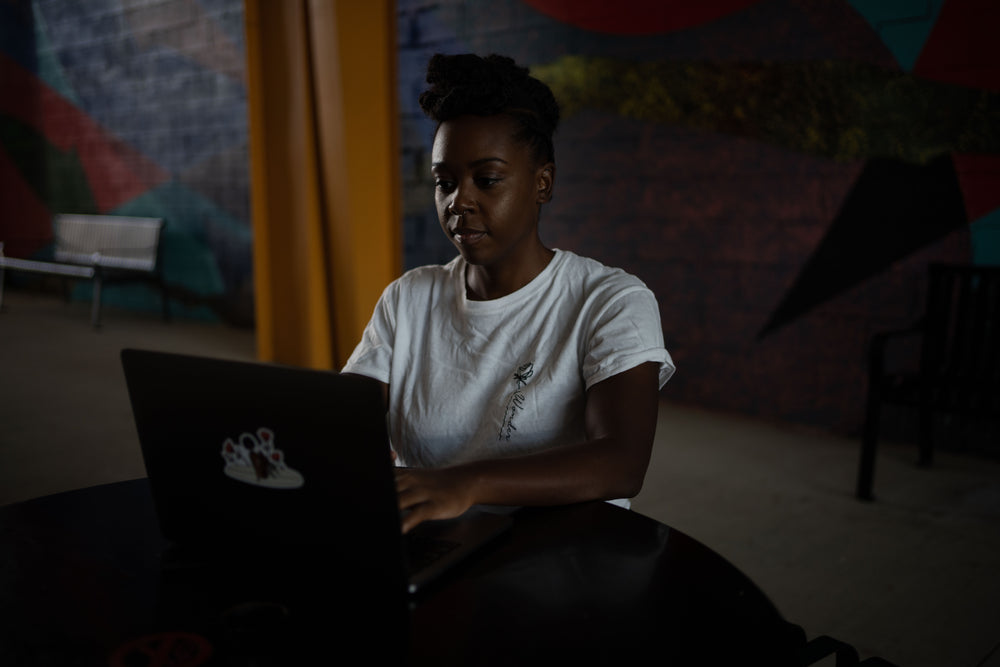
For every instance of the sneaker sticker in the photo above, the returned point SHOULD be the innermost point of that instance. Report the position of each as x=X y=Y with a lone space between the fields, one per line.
x=255 y=460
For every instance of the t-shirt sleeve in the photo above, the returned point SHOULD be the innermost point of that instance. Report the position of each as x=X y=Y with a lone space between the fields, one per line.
x=625 y=333
x=373 y=354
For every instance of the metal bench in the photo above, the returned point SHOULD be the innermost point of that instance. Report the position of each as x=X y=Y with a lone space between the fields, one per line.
x=959 y=368
x=101 y=248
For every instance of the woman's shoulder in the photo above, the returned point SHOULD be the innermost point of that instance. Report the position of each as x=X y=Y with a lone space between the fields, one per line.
x=593 y=274
x=425 y=277
x=420 y=283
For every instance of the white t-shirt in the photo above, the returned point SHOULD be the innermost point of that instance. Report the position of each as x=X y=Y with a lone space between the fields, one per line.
x=471 y=380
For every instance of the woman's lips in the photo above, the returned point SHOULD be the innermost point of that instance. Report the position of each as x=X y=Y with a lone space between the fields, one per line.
x=468 y=236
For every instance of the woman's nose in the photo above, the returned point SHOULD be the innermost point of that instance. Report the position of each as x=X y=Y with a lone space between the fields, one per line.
x=461 y=203
x=463 y=200
x=459 y=209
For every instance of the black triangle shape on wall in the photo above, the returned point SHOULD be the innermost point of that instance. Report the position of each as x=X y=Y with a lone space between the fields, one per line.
x=894 y=209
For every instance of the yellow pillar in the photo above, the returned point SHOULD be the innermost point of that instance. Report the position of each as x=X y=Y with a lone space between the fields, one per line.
x=325 y=186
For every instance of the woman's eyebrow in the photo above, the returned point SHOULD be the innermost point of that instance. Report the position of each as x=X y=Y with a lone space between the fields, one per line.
x=474 y=163
x=484 y=160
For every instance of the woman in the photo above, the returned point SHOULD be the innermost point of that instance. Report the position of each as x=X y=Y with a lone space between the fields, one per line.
x=516 y=374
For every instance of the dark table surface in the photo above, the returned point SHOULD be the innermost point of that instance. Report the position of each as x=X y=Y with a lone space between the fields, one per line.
x=82 y=582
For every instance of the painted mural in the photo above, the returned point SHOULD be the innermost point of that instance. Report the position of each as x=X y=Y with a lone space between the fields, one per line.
x=780 y=172
x=132 y=108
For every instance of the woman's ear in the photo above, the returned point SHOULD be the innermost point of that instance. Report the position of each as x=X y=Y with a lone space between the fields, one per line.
x=545 y=178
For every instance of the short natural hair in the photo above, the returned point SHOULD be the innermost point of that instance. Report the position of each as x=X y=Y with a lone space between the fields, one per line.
x=468 y=84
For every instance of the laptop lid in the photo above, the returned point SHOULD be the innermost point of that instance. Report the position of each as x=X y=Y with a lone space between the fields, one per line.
x=239 y=451
x=262 y=457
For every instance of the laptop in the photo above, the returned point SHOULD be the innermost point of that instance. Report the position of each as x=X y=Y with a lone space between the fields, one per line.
x=255 y=463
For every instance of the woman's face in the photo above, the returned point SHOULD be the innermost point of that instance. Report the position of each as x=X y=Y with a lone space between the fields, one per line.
x=488 y=190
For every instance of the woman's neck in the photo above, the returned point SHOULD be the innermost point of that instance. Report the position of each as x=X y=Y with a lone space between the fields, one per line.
x=484 y=283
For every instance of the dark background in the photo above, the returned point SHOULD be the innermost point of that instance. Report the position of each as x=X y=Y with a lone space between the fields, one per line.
x=779 y=172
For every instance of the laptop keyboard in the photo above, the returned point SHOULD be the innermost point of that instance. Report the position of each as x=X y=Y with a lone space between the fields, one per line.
x=422 y=551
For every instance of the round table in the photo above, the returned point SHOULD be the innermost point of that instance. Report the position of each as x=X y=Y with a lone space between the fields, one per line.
x=82 y=583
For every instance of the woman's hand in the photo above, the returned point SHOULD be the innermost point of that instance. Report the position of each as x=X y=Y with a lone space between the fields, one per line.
x=620 y=421
x=424 y=494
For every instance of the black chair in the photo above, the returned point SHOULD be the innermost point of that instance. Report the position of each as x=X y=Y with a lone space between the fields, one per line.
x=824 y=646
x=959 y=367
x=818 y=648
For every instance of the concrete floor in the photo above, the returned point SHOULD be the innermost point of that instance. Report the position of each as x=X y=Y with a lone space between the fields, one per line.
x=913 y=578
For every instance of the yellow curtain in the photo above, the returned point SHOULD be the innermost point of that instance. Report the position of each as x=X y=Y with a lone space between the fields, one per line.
x=324 y=182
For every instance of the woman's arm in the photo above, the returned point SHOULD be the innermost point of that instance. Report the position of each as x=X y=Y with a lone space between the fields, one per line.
x=620 y=420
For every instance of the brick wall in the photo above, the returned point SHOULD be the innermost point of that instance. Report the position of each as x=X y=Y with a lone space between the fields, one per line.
x=717 y=224
x=139 y=107
x=136 y=107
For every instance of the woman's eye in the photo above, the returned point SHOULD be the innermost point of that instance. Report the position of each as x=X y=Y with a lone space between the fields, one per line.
x=444 y=186
x=487 y=181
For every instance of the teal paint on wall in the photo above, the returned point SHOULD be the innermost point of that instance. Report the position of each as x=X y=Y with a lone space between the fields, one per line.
x=903 y=25
x=132 y=108
x=49 y=69
x=985 y=233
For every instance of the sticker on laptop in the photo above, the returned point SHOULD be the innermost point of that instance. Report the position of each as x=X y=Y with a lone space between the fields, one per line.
x=255 y=460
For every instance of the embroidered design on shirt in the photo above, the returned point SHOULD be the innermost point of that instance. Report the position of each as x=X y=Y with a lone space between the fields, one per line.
x=516 y=401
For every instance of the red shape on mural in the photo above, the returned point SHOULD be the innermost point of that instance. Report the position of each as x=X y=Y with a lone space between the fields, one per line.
x=637 y=17
x=25 y=224
x=978 y=176
x=115 y=171
x=961 y=48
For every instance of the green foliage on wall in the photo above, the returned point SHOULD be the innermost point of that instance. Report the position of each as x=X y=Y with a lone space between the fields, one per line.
x=838 y=109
